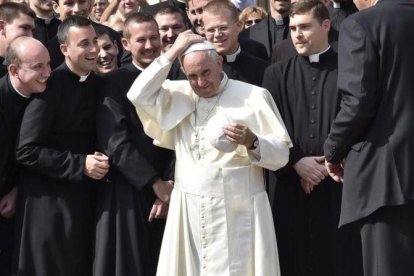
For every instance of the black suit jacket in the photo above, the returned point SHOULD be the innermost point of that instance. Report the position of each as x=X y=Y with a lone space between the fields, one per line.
x=374 y=128
x=261 y=32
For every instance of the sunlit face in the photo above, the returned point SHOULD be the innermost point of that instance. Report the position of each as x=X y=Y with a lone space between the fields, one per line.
x=23 y=25
x=98 y=8
x=66 y=8
x=170 y=26
x=203 y=72
x=108 y=55
x=253 y=19
x=308 y=35
x=34 y=70
x=280 y=6
x=44 y=6
x=81 y=49
x=127 y=7
x=221 y=30
x=144 y=43
x=194 y=13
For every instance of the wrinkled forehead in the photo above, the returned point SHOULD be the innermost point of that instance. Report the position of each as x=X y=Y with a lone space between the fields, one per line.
x=197 y=59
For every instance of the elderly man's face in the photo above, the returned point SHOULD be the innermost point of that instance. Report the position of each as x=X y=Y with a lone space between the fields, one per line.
x=203 y=72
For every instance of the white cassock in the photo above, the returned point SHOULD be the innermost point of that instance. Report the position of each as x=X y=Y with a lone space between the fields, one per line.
x=219 y=221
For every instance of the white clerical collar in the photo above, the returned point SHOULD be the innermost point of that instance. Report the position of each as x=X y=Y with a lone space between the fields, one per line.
x=279 y=22
x=47 y=20
x=336 y=5
x=315 y=57
x=137 y=66
x=83 y=78
x=232 y=57
x=18 y=92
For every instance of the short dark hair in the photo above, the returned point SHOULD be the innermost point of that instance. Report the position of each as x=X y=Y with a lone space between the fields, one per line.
x=217 y=6
x=71 y=21
x=318 y=9
x=10 y=11
x=170 y=10
x=137 y=17
x=103 y=30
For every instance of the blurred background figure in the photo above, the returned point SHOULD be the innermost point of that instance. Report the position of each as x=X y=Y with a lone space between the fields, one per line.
x=24 y=2
x=252 y=15
x=117 y=11
x=46 y=23
x=108 y=51
x=97 y=10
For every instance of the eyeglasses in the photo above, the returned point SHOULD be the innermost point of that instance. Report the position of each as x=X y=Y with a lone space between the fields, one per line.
x=252 y=22
x=224 y=29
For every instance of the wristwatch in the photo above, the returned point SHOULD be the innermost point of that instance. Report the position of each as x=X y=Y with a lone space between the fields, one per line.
x=255 y=144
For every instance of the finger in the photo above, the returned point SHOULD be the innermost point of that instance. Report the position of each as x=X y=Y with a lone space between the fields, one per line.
x=159 y=211
x=152 y=213
x=100 y=156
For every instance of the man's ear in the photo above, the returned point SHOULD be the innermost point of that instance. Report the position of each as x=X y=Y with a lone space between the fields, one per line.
x=56 y=7
x=125 y=43
x=326 y=25
x=64 y=49
x=12 y=68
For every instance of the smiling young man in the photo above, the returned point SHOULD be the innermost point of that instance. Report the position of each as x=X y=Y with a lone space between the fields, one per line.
x=66 y=8
x=28 y=71
x=171 y=23
x=138 y=168
x=15 y=20
x=219 y=220
x=108 y=51
x=222 y=28
x=56 y=149
x=306 y=202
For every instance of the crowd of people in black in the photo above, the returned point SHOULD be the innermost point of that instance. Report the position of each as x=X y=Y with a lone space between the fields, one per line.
x=85 y=190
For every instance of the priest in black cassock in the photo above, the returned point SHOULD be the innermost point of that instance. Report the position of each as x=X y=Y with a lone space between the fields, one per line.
x=16 y=87
x=57 y=187
x=222 y=28
x=307 y=202
x=46 y=22
x=128 y=240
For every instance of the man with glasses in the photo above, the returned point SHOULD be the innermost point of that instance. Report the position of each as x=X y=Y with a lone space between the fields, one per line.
x=222 y=28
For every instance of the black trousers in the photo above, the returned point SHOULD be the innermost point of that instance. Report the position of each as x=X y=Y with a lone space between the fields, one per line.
x=388 y=241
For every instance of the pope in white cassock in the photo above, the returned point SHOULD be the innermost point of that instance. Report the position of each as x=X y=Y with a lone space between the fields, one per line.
x=224 y=132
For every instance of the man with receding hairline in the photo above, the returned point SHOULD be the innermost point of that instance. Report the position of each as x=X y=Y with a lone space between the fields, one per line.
x=28 y=70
